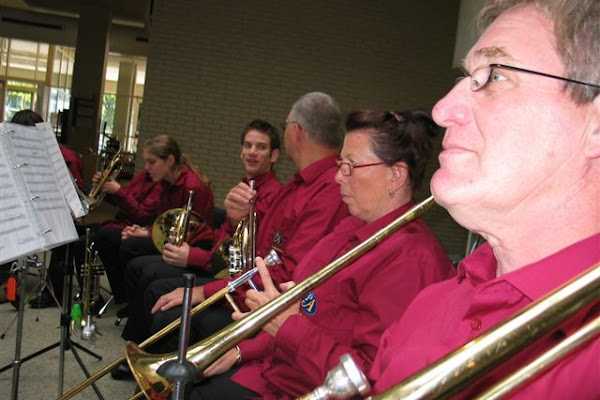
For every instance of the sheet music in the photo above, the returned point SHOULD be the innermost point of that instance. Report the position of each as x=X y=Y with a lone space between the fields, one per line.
x=63 y=176
x=33 y=211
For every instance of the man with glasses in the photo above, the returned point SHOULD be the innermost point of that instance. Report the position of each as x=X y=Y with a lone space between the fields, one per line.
x=520 y=165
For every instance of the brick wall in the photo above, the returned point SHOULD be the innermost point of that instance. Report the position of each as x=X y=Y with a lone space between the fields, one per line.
x=216 y=64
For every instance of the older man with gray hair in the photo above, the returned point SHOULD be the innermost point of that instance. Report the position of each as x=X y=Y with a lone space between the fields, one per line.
x=305 y=209
x=520 y=165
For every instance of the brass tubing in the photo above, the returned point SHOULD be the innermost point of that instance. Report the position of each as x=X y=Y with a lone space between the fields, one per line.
x=455 y=371
x=204 y=353
x=158 y=335
x=583 y=335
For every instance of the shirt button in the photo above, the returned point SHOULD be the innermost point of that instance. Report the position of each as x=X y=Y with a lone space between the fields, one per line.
x=475 y=324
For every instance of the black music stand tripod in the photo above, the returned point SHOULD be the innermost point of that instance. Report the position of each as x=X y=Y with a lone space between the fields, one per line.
x=65 y=342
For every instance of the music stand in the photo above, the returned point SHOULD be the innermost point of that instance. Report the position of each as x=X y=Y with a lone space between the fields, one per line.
x=37 y=197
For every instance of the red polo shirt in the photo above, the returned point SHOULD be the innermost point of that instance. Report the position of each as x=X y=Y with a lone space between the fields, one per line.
x=303 y=211
x=138 y=201
x=349 y=312
x=266 y=187
x=447 y=315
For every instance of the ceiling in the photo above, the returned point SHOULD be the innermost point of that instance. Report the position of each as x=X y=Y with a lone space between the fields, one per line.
x=135 y=11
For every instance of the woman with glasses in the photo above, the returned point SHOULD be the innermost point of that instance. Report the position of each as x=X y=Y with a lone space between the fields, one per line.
x=381 y=163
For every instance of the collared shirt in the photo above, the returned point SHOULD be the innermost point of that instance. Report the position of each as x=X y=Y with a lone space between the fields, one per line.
x=347 y=313
x=304 y=210
x=138 y=201
x=266 y=187
x=447 y=315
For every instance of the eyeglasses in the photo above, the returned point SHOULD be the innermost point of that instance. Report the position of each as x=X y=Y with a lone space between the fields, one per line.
x=481 y=76
x=346 y=167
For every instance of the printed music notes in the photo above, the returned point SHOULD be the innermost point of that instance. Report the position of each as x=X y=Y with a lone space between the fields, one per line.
x=34 y=195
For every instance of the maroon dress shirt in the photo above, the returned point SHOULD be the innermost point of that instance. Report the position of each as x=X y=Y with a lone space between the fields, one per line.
x=349 y=312
x=138 y=201
x=302 y=212
x=266 y=187
x=447 y=315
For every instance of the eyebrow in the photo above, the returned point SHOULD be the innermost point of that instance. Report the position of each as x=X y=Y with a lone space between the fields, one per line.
x=491 y=52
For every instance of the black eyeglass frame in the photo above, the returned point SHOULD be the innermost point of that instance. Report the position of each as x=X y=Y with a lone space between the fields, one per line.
x=528 y=71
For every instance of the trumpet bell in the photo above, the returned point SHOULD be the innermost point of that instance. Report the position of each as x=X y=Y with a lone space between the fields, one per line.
x=144 y=367
x=165 y=226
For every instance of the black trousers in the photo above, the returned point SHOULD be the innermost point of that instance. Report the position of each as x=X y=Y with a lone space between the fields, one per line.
x=221 y=387
x=139 y=274
x=203 y=324
x=116 y=254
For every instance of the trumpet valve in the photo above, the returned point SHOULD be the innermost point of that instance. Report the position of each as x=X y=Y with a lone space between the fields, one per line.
x=235 y=260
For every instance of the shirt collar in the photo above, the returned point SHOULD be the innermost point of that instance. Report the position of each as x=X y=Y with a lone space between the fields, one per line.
x=315 y=170
x=365 y=231
x=180 y=179
x=478 y=267
x=259 y=180
x=536 y=279
x=539 y=278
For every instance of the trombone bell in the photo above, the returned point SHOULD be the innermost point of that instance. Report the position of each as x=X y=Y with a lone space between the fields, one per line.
x=144 y=367
x=343 y=381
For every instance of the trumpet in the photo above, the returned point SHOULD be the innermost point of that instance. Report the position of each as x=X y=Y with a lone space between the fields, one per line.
x=92 y=268
x=144 y=366
x=239 y=251
x=176 y=225
x=111 y=172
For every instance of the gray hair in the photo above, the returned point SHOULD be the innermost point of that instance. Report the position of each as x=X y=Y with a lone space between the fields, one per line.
x=319 y=114
x=577 y=34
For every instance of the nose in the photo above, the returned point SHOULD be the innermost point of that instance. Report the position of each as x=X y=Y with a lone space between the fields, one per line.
x=454 y=108
x=339 y=178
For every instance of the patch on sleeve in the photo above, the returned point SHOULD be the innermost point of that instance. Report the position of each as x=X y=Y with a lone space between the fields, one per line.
x=309 y=304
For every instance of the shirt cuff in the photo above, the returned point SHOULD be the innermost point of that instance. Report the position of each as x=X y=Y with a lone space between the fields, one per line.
x=212 y=287
x=255 y=348
x=198 y=258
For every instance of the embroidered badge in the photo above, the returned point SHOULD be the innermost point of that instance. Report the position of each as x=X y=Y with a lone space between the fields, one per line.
x=277 y=239
x=309 y=304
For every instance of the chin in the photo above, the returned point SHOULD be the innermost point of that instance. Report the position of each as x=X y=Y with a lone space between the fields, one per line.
x=449 y=192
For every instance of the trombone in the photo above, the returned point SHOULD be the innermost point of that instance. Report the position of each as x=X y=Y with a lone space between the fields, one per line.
x=144 y=366
x=230 y=288
x=452 y=373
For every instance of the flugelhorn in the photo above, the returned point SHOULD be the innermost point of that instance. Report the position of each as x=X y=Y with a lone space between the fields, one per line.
x=454 y=372
x=204 y=353
x=110 y=172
